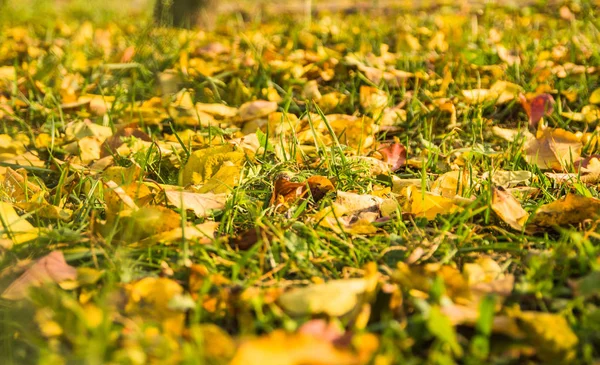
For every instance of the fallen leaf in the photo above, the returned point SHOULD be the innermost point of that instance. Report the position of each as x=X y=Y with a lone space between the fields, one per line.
x=451 y=184
x=394 y=155
x=149 y=298
x=146 y=222
x=256 y=109
x=286 y=192
x=328 y=331
x=570 y=210
x=550 y=334
x=202 y=233
x=217 y=110
x=373 y=100
x=508 y=208
x=205 y=163
x=14 y=228
x=537 y=107
x=50 y=268
x=357 y=203
x=509 y=178
x=201 y=204
x=334 y=298
x=595 y=97
x=282 y=348
x=426 y=204
x=553 y=149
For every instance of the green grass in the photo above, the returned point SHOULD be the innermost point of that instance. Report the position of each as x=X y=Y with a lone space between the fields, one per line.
x=96 y=321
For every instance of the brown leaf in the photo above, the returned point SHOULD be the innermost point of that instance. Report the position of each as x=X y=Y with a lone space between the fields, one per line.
x=319 y=186
x=50 y=268
x=286 y=192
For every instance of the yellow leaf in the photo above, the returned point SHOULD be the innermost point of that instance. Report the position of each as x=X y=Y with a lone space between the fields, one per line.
x=145 y=222
x=201 y=204
x=201 y=233
x=509 y=209
x=204 y=164
x=217 y=110
x=477 y=96
x=13 y=227
x=551 y=336
x=451 y=183
x=223 y=181
x=571 y=210
x=595 y=97
x=330 y=101
x=45 y=320
x=86 y=128
x=373 y=100
x=149 y=299
x=334 y=298
x=426 y=204
x=282 y=348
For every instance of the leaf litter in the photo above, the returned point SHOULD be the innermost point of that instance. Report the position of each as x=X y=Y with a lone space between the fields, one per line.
x=418 y=188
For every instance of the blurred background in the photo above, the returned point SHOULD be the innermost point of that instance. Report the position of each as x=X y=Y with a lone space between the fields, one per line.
x=104 y=11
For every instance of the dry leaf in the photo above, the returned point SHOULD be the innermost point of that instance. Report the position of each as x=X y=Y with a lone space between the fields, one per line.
x=508 y=209
x=334 y=298
x=149 y=298
x=282 y=348
x=394 y=155
x=14 y=228
x=570 y=210
x=201 y=204
x=553 y=149
x=50 y=268
x=426 y=204
x=205 y=163
x=537 y=107
x=256 y=109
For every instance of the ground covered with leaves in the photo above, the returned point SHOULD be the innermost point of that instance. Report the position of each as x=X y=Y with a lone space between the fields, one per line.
x=407 y=187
